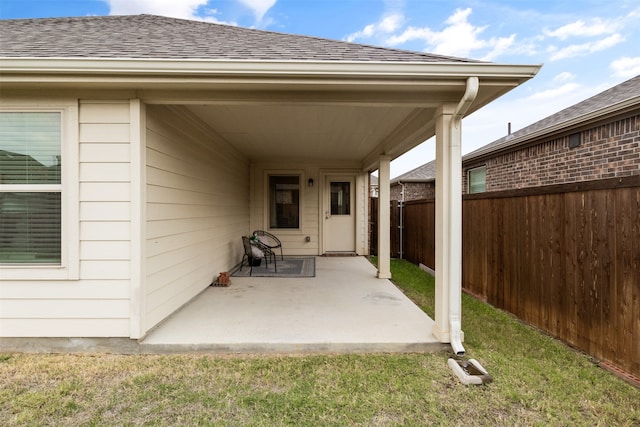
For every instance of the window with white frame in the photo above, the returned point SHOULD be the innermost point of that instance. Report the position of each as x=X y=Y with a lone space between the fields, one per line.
x=30 y=188
x=477 y=179
x=39 y=191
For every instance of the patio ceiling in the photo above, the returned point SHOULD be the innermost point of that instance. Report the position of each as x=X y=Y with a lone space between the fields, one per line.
x=328 y=124
x=347 y=133
x=346 y=113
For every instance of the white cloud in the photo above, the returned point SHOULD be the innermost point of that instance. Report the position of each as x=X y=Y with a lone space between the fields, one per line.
x=554 y=93
x=564 y=77
x=178 y=9
x=499 y=46
x=458 y=38
x=603 y=34
x=595 y=27
x=388 y=24
x=258 y=7
x=585 y=48
x=626 y=67
x=183 y=9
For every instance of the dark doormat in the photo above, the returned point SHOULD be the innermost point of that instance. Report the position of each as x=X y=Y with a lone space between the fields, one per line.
x=289 y=267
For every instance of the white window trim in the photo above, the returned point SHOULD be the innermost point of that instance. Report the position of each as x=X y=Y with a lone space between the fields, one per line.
x=69 y=268
x=469 y=179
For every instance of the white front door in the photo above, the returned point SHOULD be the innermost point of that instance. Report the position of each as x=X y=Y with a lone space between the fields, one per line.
x=339 y=214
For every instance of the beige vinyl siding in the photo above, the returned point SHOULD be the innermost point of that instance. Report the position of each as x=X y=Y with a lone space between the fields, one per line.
x=294 y=241
x=197 y=208
x=105 y=236
x=96 y=305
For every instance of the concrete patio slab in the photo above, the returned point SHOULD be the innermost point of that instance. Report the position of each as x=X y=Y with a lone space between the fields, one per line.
x=345 y=308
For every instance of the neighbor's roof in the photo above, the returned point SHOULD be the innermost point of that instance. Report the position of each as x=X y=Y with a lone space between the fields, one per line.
x=624 y=95
x=424 y=173
x=157 y=37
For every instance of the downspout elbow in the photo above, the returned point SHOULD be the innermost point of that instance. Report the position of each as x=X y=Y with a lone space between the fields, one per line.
x=455 y=289
x=455 y=335
x=470 y=94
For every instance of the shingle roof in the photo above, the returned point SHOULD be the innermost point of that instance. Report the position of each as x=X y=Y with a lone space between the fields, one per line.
x=618 y=94
x=157 y=37
x=424 y=173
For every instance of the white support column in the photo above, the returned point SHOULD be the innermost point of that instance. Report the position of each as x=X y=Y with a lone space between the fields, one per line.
x=448 y=318
x=384 y=218
x=448 y=219
x=456 y=335
x=137 y=144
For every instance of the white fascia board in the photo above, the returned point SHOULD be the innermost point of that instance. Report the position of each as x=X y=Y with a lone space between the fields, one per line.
x=269 y=68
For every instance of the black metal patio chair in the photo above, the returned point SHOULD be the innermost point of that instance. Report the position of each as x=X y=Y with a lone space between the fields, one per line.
x=253 y=250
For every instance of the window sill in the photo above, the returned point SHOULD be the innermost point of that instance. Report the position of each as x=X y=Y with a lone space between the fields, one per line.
x=34 y=272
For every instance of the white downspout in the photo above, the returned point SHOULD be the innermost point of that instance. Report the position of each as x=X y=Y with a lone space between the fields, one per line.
x=401 y=213
x=455 y=284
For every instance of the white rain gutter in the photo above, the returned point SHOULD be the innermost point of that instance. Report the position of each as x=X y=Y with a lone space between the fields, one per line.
x=455 y=286
x=142 y=66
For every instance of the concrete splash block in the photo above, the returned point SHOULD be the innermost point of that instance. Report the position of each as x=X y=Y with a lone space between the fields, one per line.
x=469 y=371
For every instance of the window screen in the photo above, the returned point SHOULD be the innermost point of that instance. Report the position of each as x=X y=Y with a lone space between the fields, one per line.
x=30 y=187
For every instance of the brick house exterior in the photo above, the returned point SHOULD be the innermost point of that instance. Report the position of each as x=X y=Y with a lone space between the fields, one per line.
x=419 y=183
x=595 y=139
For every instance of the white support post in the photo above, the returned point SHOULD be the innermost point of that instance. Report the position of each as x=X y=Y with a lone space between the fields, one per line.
x=456 y=336
x=384 y=218
x=448 y=318
x=137 y=299
x=448 y=221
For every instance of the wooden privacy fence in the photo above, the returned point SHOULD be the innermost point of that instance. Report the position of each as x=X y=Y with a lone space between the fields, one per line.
x=564 y=258
x=373 y=227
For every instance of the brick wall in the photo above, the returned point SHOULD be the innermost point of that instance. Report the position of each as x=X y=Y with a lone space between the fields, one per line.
x=607 y=150
x=414 y=191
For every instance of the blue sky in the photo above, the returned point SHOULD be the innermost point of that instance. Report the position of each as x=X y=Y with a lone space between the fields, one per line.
x=586 y=46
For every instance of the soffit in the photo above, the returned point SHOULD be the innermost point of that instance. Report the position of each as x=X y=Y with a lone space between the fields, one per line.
x=318 y=132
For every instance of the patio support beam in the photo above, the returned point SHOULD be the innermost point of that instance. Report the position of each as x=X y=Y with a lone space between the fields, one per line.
x=384 y=218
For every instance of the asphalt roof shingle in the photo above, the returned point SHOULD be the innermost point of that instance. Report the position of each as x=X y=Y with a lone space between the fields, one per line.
x=426 y=172
x=157 y=37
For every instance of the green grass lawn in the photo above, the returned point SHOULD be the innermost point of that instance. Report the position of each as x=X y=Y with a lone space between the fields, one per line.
x=537 y=381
